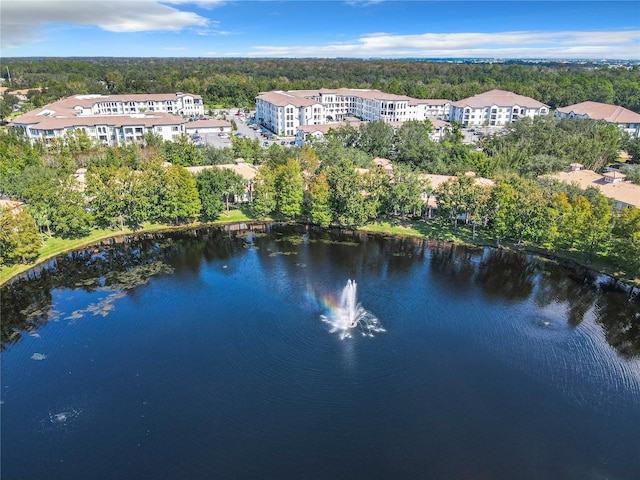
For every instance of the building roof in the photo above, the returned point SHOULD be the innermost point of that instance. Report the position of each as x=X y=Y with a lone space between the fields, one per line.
x=499 y=98
x=382 y=162
x=325 y=127
x=624 y=192
x=282 y=99
x=436 y=180
x=305 y=98
x=12 y=206
x=62 y=122
x=245 y=170
x=429 y=101
x=439 y=124
x=67 y=107
x=601 y=111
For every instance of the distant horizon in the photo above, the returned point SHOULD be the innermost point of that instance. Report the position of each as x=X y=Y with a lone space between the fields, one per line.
x=350 y=59
x=322 y=29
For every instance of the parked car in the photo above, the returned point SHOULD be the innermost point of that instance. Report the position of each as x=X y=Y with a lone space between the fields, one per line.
x=283 y=142
x=223 y=135
x=238 y=134
x=266 y=144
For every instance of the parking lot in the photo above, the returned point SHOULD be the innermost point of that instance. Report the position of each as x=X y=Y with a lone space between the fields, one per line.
x=244 y=130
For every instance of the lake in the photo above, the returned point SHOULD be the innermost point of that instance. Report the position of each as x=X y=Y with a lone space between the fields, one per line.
x=223 y=354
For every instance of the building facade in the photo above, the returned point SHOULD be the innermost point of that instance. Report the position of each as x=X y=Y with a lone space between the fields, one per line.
x=112 y=119
x=495 y=108
x=625 y=119
x=283 y=112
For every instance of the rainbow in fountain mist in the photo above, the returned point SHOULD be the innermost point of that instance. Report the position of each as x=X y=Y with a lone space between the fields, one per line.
x=347 y=315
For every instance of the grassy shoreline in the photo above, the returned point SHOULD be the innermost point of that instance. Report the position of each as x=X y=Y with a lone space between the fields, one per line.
x=58 y=246
x=432 y=230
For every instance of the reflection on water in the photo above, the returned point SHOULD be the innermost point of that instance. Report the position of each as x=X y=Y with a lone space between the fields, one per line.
x=128 y=263
x=207 y=346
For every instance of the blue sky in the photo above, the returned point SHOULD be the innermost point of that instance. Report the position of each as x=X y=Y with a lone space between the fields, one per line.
x=327 y=29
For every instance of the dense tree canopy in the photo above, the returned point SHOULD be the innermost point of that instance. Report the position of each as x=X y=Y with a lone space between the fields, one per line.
x=236 y=82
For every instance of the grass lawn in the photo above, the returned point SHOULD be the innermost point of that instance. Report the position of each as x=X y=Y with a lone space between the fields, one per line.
x=56 y=246
x=431 y=229
x=436 y=230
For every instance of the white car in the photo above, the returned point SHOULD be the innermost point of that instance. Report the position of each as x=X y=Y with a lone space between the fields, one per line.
x=223 y=135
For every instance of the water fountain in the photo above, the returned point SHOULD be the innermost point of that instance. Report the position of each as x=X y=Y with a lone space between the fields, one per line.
x=349 y=315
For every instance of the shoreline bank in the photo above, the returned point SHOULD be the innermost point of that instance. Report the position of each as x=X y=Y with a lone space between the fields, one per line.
x=383 y=228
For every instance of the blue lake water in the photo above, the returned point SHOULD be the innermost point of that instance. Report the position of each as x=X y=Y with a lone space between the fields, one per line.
x=204 y=355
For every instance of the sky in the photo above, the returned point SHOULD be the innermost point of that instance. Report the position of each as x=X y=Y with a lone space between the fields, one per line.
x=553 y=29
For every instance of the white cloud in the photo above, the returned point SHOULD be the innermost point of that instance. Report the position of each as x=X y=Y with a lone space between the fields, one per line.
x=624 y=44
x=22 y=20
x=198 y=3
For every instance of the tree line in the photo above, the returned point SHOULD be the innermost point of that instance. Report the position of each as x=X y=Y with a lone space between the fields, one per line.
x=236 y=82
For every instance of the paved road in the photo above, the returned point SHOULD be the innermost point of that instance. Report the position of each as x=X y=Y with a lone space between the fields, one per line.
x=213 y=140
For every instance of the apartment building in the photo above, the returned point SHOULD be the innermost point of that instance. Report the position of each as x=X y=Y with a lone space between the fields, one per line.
x=183 y=104
x=112 y=119
x=422 y=109
x=495 y=108
x=625 y=119
x=283 y=112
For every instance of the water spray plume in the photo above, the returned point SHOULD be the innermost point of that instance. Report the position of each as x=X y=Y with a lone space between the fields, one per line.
x=349 y=315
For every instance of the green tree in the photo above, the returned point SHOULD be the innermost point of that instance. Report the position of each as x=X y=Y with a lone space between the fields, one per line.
x=529 y=219
x=215 y=187
x=183 y=152
x=482 y=164
x=598 y=234
x=625 y=246
x=414 y=146
x=289 y=189
x=318 y=209
x=19 y=237
x=346 y=194
x=405 y=196
x=454 y=199
x=108 y=188
x=559 y=211
x=309 y=164
x=478 y=208
x=632 y=146
x=577 y=222
x=16 y=154
x=56 y=201
x=377 y=185
x=247 y=149
x=180 y=201
x=501 y=205
x=264 y=192
x=122 y=196
x=376 y=138
x=347 y=135
x=7 y=101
